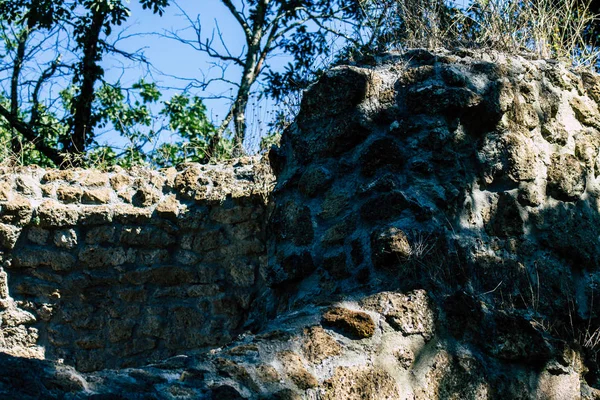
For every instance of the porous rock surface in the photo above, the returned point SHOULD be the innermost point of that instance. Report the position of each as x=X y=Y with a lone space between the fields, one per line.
x=433 y=234
x=122 y=268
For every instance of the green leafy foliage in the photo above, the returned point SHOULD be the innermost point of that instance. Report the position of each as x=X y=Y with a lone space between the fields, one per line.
x=187 y=116
x=139 y=116
x=88 y=103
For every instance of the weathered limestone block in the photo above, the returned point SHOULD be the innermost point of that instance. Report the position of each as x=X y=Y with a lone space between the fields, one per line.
x=420 y=73
x=405 y=357
x=449 y=376
x=152 y=256
x=128 y=214
x=69 y=194
x=100 y=234
x=186 y=182
x=338 y=232
x=119 y=181
x=38 y=235
x=9 y=235
x=17 y=211
x=556 y=134
x=96 y=196
x=5 y=190
x=356 y=383
x=335 y=264
x=162 y=276
x=120 y=330
x=53 y=214
x=93 y=178
x=556 y=387
x=314 y=179
x=20 y=341
x=566 y=178
x=242 y=274
x=586 y=112
x=384 y=207
x=168 y=207
x=27 y=185
x=411 y=313
x=145 y=197
x=319 y=345
x=34 y=258
x=186 y=257
x=59 y=175
x=292 y=267
x=13 y=317
x=295 y=370
x=95 y=256
x=591 y=82
x=532 y=194
x=146 y=236
x=3 y=285
x=95 y=215
x=354 y=324
x=65 y=238
x=336 y=202
x=45 y=312
x=177 y=338
x=382 y=153
x=234 y=215
x=522 y=159
x=389 y=247
x=433 y=99
x=293 y=221
x=505 y=217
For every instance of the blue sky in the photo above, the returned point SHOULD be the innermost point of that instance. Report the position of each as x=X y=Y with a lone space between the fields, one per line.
x=170 y=58
x=175 y=65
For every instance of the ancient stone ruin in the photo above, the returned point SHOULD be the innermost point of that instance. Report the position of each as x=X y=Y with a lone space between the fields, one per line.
x=429 y=228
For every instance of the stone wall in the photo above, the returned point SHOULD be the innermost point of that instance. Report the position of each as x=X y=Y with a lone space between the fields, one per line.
x=113 y=269
x=433 y=234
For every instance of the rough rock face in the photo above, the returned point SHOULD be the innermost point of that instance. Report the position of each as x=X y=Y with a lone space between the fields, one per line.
x=433 y=234
x=456 y=196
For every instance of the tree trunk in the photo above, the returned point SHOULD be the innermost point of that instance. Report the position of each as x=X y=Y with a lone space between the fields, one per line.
x=239 y=122
x=243 y=96
x=82 y=124
x=16 y=143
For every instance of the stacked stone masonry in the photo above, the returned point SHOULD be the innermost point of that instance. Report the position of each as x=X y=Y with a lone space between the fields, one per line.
x=113 y=269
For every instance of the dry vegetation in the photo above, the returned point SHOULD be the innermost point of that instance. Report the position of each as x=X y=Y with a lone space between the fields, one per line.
x=558 y=29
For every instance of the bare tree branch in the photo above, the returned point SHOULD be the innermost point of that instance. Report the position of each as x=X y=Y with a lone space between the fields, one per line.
x=240 y=19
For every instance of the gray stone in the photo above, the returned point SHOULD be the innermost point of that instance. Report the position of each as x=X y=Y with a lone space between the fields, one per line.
x=100 y=234
x=146 y=236
x=314 y=179
x=102 y=257
x=411 y=313
x=37 y=235
x=65 y=238
x=34 y=258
